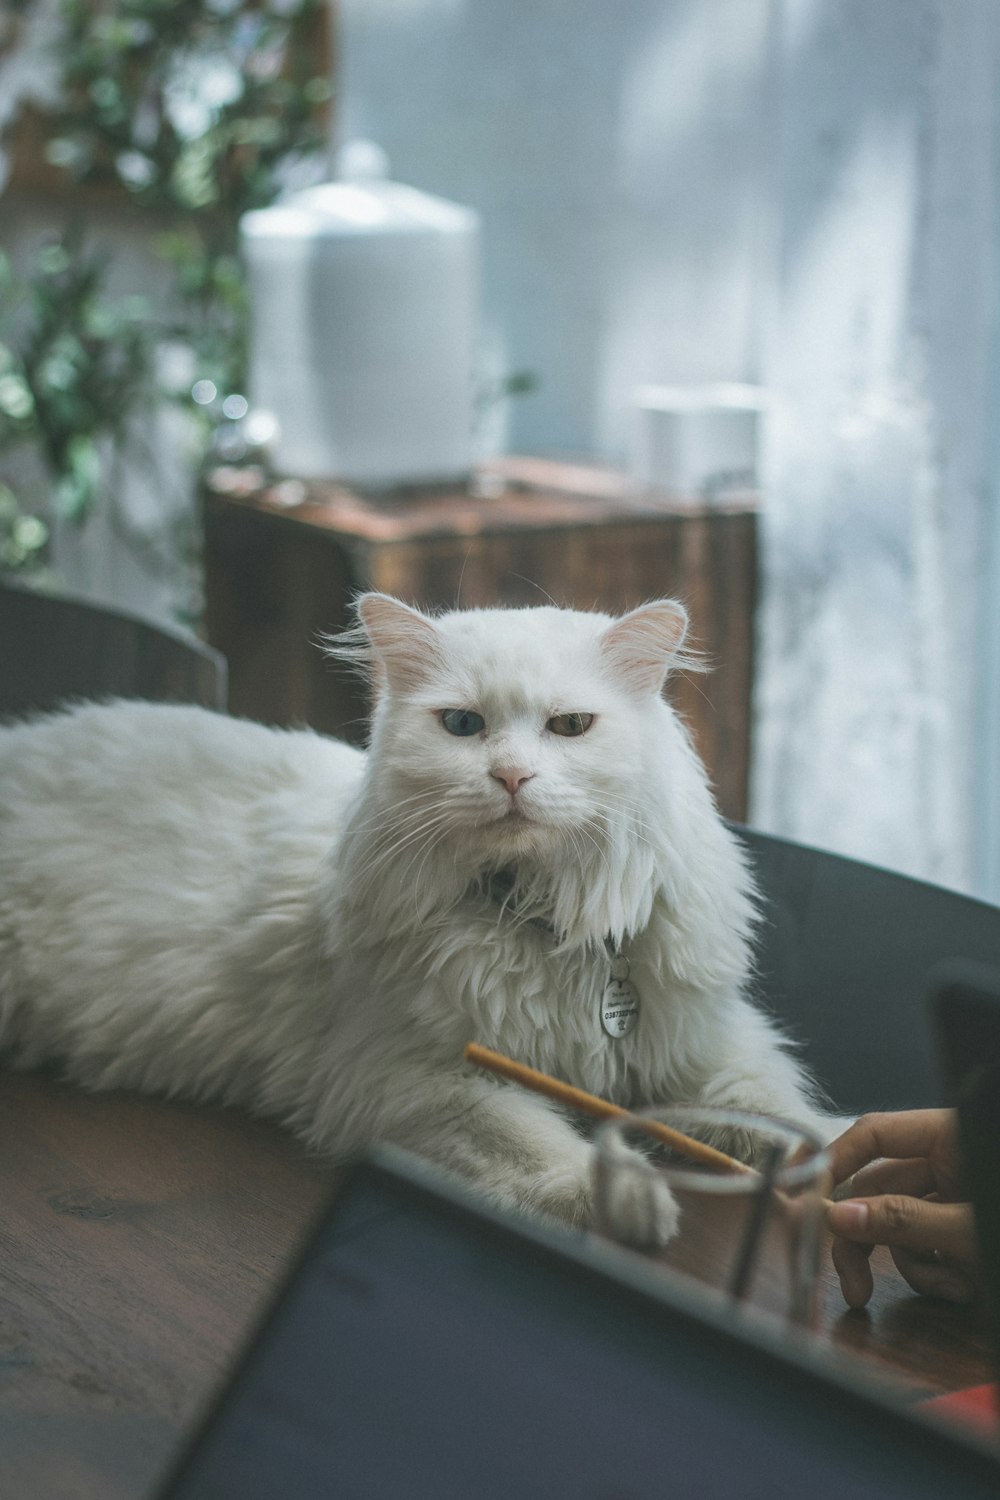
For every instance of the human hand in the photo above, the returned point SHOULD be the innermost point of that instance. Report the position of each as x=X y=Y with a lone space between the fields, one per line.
x=903 y=1175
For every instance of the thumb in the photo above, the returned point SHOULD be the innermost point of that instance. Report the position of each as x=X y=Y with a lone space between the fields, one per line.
x=898 y=1220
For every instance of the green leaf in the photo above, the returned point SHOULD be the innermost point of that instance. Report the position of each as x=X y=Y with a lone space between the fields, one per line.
x=16 y=400
x=53 y=260
x=29 y=533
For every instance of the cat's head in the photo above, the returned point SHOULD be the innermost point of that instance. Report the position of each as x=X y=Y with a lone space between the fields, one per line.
x=510 y=734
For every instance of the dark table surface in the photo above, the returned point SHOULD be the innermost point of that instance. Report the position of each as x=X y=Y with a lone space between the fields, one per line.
x=139 y=1240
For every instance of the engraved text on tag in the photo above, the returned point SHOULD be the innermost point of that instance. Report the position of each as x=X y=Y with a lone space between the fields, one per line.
x=619 y=1007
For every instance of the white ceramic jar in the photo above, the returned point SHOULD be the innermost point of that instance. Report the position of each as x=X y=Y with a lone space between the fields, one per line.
x=364 y=319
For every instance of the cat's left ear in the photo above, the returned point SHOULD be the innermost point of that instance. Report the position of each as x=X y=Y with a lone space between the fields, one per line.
x=405 y=642
x=642 y=646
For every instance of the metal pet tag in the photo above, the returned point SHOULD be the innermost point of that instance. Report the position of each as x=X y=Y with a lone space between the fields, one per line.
x=620 y=1001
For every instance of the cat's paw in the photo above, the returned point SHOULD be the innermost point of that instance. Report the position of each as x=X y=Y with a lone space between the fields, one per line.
x=635 y=1205
x=566 y=1194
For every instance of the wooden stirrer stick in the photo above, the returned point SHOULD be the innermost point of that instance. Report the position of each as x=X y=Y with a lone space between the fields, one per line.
x=601 y=1109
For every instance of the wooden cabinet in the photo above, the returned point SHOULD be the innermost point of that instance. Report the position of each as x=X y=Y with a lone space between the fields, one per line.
x=284 y=559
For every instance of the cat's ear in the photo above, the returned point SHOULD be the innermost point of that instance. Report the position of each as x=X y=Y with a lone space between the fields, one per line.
x=405 y=642
x=642 y=646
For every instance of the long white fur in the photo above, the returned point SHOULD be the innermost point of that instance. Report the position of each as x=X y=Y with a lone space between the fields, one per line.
x=202 y=906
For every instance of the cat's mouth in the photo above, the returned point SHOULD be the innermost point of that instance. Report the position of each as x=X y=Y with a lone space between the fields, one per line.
x=516 y=816
x=514 y=820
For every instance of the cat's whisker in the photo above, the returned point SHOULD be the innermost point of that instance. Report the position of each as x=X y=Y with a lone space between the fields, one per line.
x=384 y=855
x=416 y=804
x=416 y=883
x=602 y=853
x=428 y=806
x=574 y=833
x=580 y=830
x=381 y=855
x=637 y=827
x=379 y=815
x=428 y=835
x=620 y=799
x=638 y=839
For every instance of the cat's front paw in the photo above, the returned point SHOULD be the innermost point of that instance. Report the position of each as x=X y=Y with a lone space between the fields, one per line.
x=566 y=1194
x=634 y=1204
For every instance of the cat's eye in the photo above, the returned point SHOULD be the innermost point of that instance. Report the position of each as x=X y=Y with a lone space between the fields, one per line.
x=462 y=721
x=570 y=724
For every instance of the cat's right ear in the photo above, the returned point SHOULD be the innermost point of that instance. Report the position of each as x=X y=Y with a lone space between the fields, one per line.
x=405 y=643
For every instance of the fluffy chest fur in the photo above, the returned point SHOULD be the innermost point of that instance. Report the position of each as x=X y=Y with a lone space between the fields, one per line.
x=484 y=975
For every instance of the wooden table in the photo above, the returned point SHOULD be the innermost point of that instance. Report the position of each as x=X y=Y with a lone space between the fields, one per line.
x=283 y=561
x=138 y=1241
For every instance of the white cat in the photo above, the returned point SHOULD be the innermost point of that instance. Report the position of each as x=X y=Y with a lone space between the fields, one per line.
x=201 y=906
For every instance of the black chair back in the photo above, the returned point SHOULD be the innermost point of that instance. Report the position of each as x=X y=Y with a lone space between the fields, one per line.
x=844 y=955
x=54 y=649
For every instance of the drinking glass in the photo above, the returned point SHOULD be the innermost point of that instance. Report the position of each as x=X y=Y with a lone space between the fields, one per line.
x=748 y=1236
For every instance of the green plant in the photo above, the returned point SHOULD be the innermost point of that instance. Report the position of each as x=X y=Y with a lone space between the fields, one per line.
x=73 y=368
x=197 y=110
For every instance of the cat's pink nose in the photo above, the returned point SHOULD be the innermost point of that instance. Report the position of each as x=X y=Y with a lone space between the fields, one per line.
x=513 y=778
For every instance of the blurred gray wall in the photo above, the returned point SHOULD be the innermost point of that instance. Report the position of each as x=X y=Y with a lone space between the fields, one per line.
x=618 y=154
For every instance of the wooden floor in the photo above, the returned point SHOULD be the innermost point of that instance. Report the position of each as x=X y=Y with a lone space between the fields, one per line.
x=138 y=1240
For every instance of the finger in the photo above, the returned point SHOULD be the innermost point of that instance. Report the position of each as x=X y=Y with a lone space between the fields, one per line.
x=851 y=1264
x=912 y=1176
x=909 y=1133
x=935 y=1277
x=913 y=1223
